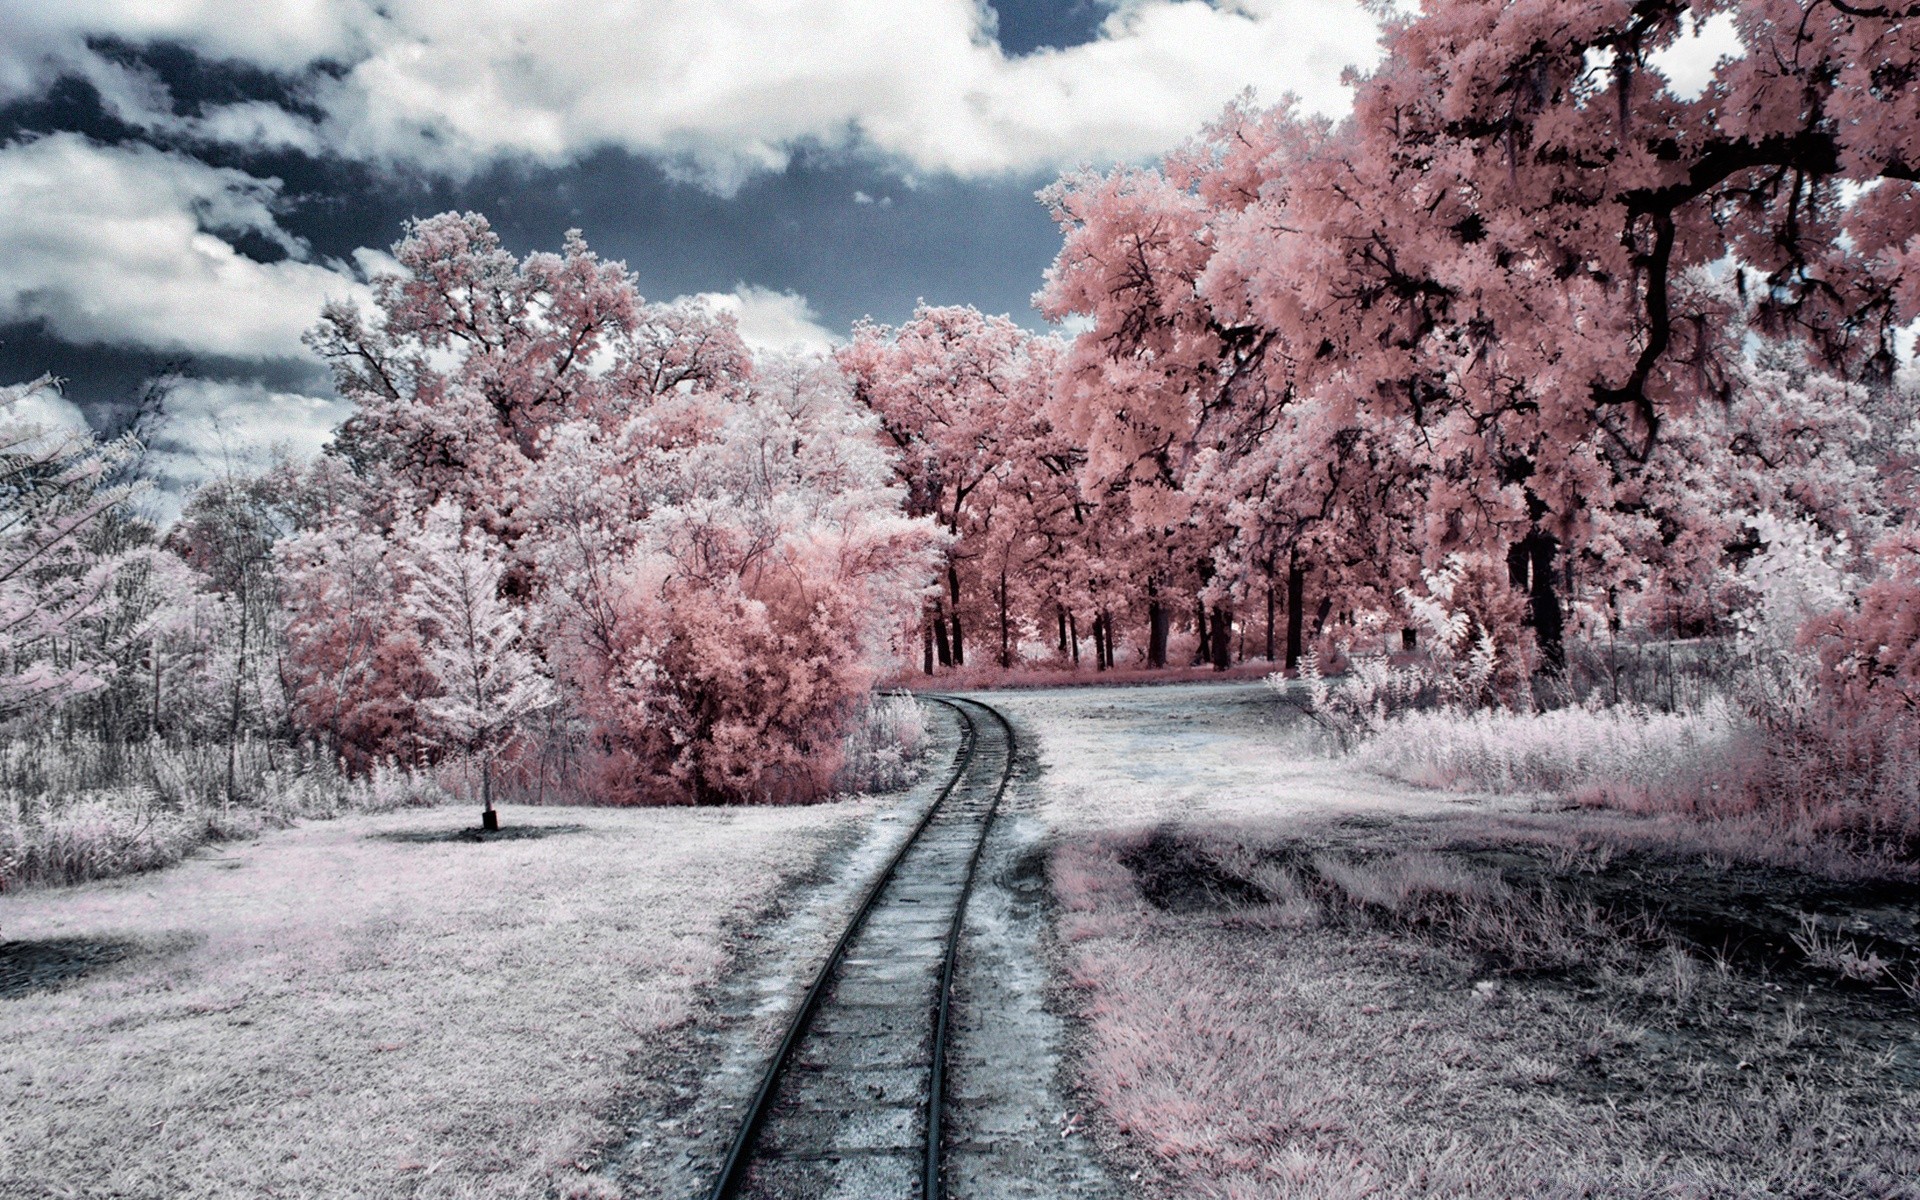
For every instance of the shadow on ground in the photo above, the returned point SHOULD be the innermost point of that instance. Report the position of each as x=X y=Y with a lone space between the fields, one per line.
x=1587 y=915
x=27 y=967
x=511 y=833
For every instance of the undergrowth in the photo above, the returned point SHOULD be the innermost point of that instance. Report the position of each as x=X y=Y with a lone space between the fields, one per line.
x=78 y=809
x=884 y=745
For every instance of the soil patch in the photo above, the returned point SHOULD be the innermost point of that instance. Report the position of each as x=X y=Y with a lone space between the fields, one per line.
x=39 y=966
x=1180 y=876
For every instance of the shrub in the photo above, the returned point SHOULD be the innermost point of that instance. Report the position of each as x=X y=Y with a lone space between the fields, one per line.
x=1466 y=620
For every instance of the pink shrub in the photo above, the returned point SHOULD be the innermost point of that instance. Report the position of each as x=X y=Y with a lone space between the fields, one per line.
x=1847 y=757
x=1870 y=657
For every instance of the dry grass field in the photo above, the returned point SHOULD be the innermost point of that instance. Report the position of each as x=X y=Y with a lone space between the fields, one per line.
x=1297 y=979
x=371 y=1006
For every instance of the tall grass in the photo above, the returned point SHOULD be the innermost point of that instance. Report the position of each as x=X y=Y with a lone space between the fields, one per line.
x=74 y=809
x=1582 y=749
x=1714 y=735
x=883 y=748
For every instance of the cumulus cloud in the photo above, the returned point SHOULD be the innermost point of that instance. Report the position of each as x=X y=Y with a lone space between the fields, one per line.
x=123 y=245
x=781 y=322
x=723 y=88
x=213 y=426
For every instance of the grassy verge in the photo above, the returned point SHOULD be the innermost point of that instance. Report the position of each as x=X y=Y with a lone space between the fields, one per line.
x=78 y=809
x=371 y=1006
x=1493 y=1007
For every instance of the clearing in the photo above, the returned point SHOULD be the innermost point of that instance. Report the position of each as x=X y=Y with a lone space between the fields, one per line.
x=1205 y=960
x=375 y=1006
x=1293 y=979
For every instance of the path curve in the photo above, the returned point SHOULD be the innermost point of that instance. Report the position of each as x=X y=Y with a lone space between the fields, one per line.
x=850 y=1105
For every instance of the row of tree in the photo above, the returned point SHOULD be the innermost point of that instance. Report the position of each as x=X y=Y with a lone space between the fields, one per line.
x=568 y=536
x=1529 y=303
x=1529 y=312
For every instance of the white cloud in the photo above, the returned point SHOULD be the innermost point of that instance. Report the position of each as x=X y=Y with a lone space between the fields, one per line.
x=719 y=88
x=121 y=245
x=40 y=404
x=212 y=426
x=780 y=322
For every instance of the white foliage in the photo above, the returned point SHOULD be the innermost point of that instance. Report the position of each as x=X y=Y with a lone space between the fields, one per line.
x=1458 y=671
x=1802 y=573
x=1559 y=751
x=489 y=681
x=56 y=489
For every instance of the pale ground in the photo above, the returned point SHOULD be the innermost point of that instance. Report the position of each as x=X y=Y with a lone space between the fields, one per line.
x=1194 y=754
x=1313 y=1004
x=324 y=1012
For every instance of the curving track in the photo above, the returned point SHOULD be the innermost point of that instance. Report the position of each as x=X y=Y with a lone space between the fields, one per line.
x=850 y=1106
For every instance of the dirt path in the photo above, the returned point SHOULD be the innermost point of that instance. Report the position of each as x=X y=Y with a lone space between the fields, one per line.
x=1015 y=1117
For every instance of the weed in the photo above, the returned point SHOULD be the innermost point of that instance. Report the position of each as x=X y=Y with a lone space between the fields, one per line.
x=883 y=745
x=78 y=809
x=1828 y=951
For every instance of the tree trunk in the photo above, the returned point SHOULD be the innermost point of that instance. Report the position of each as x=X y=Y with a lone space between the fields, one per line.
x=1222 y=641
x=941 y=644
x=1409 y=638
x=1073 y=637
x=488 y=819
x=1200 y=639
x=926 y=649
x=1159 y=624
x=233 y=713
x=1517 y=555
x=1060 y=611
x=1006 y=627
x=1269 y=616
x=953 y=590
x=1103 y=640
x=1545 y=602
x=1296 y=608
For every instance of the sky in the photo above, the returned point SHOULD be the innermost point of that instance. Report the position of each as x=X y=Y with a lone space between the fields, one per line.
x=182 y=185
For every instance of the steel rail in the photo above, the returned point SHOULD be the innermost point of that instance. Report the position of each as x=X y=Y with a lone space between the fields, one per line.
x=733 y=1169
x=936 y=1087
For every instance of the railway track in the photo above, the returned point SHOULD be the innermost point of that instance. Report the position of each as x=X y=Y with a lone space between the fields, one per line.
x=850 y=1104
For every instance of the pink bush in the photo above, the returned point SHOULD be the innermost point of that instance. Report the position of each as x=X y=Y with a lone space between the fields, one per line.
x=1852 y=760
x=1870 y=657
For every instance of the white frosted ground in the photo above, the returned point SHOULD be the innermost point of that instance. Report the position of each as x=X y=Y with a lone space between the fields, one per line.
x=1196 y=754
x=327 y=1012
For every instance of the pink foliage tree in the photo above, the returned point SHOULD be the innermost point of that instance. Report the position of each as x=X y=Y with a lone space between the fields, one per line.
x=1478 y=311
x=694 y=549
x=961 y=396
